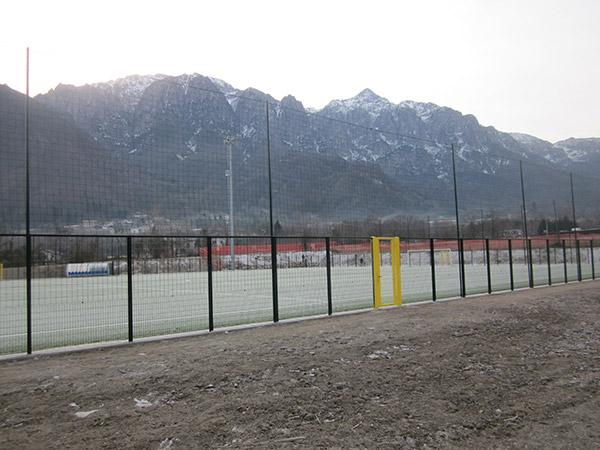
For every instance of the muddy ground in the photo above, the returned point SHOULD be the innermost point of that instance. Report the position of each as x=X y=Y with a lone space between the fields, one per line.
x=517 y=370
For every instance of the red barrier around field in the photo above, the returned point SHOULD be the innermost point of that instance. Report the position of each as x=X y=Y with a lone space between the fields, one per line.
x=451 y=244
x=495 y=244
x=223 y=250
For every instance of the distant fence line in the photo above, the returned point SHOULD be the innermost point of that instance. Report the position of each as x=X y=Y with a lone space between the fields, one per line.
x=248 y=257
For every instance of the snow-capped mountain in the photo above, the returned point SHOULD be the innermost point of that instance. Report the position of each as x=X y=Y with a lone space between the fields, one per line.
x=115 y=112
x=366 y=101
x=580 y=150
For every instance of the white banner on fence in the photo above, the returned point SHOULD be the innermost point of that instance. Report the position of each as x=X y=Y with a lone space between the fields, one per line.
x=88 y=269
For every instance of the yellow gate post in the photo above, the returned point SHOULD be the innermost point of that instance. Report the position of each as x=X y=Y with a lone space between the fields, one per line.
x=396 y=276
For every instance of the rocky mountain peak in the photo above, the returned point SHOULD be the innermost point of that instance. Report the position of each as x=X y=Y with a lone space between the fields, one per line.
x=422 y=110
x=133 y=84
x=368 y=95
x=289 y=101
x=365 y=100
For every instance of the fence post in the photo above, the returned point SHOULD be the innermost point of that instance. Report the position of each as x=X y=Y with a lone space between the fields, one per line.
x=328 y=259
x=510 y=266
x=548 y=260
x=592 y=258
x=463 y=288
x=459 y=249
x=487 y=261
x=432 y=260
x=578 y=256
x=129 y=291
x=564 y=249
x=28 y=262
x=274 y=278
x=209 y=271
x=530 y=263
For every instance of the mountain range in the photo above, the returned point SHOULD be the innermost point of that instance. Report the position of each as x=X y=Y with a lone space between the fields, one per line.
x=160 y=145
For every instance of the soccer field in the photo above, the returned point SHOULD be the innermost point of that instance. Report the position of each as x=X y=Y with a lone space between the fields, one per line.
x=71 y=311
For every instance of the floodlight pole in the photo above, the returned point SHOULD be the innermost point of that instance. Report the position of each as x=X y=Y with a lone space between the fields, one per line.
x=482 y=225
x=455 y=193
x=573 y=205
x=428 y=227
x=556 y=227
x=523 y=197
x=229 y=175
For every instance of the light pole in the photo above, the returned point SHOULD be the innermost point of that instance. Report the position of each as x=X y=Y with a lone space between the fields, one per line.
x=428 y=227
x=573 y=205
x=482 y=225
x=556 y=228
x=229 y=174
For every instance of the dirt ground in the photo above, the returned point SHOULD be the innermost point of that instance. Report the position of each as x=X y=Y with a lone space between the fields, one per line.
x=517 y=370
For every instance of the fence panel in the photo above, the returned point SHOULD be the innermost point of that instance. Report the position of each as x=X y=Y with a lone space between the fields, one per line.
x=447 y=268
x=301 y=277
x=351 y=274
x=12 y=165
x=557 y=261
x=170 y=287
x=595 y=257
x=13 y=305
x=415 y=265
x=243 y=294
x=499 y=265
x=571 y=252
x=79 y=291
x=539 y=262
x=520 y=263
x=475 y=267
x=331 y=175
x=586 y=259
x=186 y=168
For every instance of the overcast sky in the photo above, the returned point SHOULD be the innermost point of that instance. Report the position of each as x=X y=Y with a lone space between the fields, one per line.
x=519 y=65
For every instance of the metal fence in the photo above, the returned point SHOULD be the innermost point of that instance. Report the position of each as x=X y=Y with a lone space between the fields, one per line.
x=145 y=174
x=163 y=285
